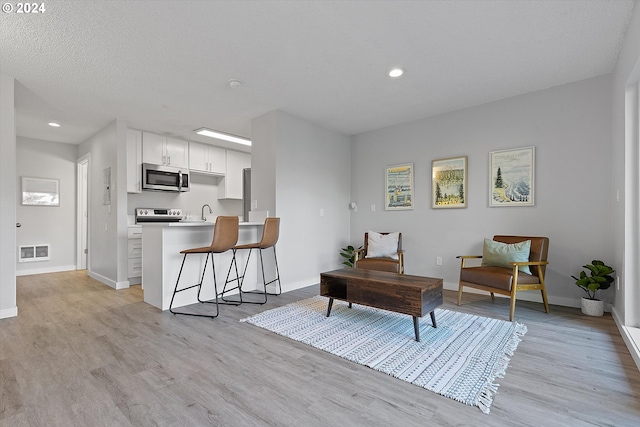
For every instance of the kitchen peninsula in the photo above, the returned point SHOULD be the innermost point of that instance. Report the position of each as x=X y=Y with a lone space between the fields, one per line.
x=161 y=260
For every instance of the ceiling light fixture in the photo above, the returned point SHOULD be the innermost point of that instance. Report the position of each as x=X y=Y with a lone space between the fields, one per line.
x=225 y=136
x=396 y=72
x=54 y=124
x=234 y=83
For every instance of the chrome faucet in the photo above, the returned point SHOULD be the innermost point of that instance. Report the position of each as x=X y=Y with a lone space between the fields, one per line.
x=210 y=211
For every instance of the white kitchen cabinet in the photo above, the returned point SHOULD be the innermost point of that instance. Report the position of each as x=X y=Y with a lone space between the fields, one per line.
x=230 y=187
x=207 y=159
x=134 y=255
x=134 y=161
x=162 y=150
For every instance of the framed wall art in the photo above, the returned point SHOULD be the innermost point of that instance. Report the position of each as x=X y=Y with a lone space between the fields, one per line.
x=40 y=192
x=511 y=181
x=449 y=183
x=399 y=187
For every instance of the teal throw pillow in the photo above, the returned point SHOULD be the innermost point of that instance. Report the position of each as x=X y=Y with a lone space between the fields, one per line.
x=498 y=254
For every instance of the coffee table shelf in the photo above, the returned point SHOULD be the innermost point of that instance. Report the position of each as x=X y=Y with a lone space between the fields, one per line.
x=400 y=293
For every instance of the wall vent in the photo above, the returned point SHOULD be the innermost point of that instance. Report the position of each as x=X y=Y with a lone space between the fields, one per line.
x=30 y=253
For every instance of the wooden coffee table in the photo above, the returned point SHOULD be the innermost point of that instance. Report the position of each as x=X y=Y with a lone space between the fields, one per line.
x=400 y=293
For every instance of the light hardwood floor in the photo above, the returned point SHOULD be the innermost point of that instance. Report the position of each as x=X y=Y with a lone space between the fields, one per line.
x=82 y=354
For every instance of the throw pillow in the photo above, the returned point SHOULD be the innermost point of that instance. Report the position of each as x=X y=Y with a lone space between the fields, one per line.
x=382 y=245
x=498 y=254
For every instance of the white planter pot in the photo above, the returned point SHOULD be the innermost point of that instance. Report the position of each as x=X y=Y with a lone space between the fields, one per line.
x=592 y=307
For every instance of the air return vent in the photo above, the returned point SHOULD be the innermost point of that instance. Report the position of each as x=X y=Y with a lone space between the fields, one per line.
x=30 y=253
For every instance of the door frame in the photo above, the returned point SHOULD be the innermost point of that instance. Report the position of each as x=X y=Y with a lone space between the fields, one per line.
x=82 y=227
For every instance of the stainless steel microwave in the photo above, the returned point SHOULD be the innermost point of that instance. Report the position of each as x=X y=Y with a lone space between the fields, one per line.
x=164 y=178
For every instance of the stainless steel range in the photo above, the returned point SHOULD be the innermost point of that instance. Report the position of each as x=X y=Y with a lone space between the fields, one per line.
x=145 y=215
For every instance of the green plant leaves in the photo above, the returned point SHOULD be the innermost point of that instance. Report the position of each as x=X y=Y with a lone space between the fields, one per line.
x=599 y=278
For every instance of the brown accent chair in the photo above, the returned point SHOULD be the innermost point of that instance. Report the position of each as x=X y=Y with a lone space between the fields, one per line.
x=508 y=281
x=381 y=264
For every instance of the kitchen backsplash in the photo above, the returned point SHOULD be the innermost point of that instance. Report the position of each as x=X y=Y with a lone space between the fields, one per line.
x=204 y=189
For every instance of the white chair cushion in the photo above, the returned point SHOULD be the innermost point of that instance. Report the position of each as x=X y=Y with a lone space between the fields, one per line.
x=382 y=245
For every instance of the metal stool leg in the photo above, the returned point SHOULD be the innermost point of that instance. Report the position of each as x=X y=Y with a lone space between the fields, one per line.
x=279 y=288
x=220 y=295
x=238 y=278
x=241 y=282
x=199 y=285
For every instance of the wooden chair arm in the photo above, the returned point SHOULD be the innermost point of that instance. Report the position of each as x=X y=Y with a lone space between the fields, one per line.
x=463 y=258
x=528 y=263
x=359 y=253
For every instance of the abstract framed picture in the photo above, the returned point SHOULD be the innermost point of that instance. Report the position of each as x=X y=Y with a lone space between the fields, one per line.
x=511 y=177
x=399 y=187
x=449 y=183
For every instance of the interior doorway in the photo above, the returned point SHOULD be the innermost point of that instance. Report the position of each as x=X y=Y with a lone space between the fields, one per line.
x=82 y=218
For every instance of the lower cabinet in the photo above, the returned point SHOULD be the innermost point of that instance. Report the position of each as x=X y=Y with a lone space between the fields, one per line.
x=134 y=261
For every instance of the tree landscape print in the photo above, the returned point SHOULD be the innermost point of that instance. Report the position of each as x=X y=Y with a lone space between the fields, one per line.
x=512 y=177
x=399 y=187
x=449 y=183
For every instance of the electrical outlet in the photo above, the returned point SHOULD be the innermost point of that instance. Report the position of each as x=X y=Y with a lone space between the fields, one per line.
x=373 y=208
x=438 y=260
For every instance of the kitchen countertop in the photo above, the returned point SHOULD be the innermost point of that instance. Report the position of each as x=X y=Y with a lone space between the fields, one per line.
x=194 y=223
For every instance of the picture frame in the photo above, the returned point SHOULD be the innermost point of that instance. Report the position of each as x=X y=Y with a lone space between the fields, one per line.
x=449 y=183
x=399 y=187
x=40 y=191
x=512 y=177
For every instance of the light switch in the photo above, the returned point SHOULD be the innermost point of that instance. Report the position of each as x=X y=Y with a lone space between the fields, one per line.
x=373 y=208
x=321 y=212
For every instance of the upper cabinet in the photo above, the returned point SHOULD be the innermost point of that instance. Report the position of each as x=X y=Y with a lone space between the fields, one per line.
x=134 y=161
x=230 y=187
x=207 y=159
x=162 y=150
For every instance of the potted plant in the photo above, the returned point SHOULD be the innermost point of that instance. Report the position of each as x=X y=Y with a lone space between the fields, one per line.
x=349 y=255
x=599 y=277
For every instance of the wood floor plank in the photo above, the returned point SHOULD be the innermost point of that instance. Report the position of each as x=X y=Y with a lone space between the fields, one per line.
x=83 y=354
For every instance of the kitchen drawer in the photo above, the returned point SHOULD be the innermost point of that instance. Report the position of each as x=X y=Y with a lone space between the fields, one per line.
x=134 y=267
x=134 y=232
x=135 y=248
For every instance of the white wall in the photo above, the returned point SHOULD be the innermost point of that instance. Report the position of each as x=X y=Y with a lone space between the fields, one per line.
x=53 y=225
x=8 y=307
x=309 y=172
x=570 y=128
x=107 y=223
x=626 y=166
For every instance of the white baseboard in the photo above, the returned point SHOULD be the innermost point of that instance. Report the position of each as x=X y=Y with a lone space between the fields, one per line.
x=9 y=312
x=122 y=285
x=102 y=279
x=531 y=296
x=630 y=336
x=45 y=270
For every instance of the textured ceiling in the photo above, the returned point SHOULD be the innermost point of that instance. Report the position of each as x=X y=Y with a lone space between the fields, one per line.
x=164 y=65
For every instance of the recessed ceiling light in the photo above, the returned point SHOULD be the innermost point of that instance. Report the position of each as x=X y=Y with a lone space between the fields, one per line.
x=396 y=72
x=54 y=124
x=215 y=134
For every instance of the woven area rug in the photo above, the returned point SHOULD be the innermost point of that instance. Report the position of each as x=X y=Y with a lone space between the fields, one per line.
x=459 y=359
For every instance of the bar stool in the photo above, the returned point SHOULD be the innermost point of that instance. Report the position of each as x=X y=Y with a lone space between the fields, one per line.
x=225 y=237
x=270 y=234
